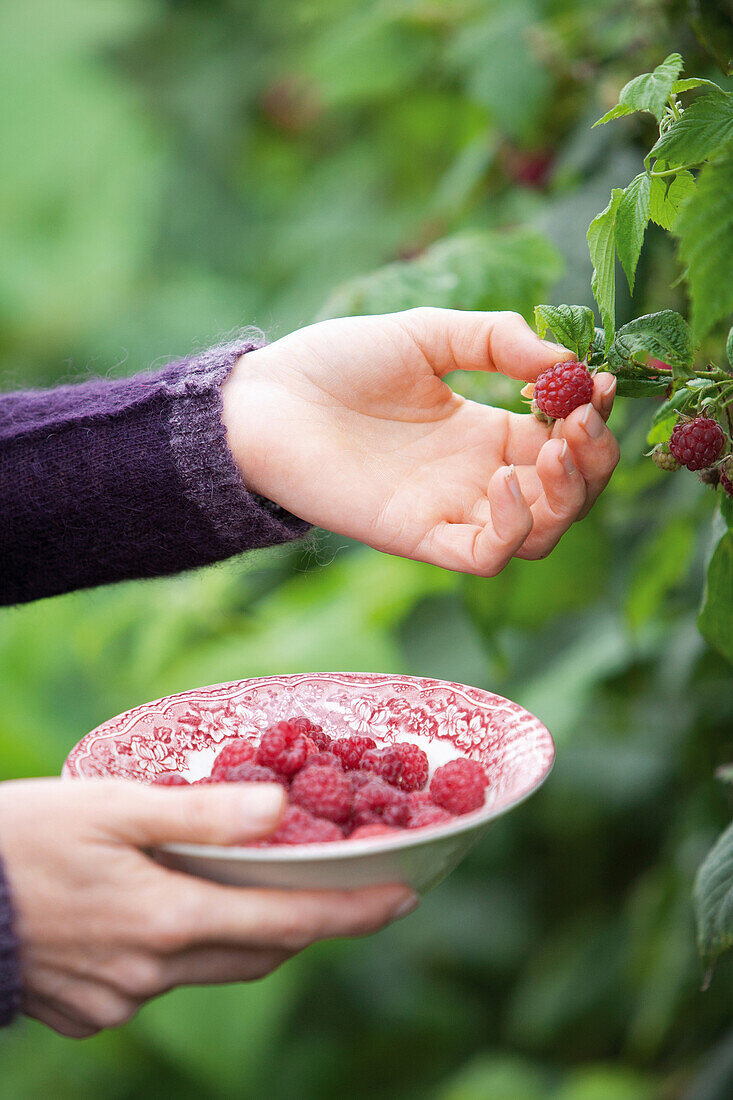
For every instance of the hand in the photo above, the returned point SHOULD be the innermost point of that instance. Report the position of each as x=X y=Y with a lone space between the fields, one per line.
x=349 y=424
x=103 y=928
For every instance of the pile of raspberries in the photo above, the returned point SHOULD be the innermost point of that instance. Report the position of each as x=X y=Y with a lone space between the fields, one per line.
x=347 y=786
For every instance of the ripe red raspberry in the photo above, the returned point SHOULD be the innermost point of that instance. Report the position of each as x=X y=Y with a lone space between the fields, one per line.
x=323 y=760
x=247 y=773
x=663 y=458
x=563 y=388
x=300 y=827
x=375 y=828
x=351 y=750
x=415 y=767
x=237 y=752
x=170 y=779
x=304 y=725
x=697 y=443
x=384 y=762
x=726 y=476
x=378 y=801
x=428 y=815
x=459 y=786
x=284 y=748
x=325 y=792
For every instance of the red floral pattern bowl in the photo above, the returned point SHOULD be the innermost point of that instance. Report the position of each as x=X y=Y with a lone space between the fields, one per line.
x=184 y=733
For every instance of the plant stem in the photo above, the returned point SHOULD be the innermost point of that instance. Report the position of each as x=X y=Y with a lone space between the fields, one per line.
x=673 y=171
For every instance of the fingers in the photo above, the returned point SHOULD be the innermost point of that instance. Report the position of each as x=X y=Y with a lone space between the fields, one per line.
x=501 y=524
x=219 y=965
x=594 y=449
x=604 y=392
x=526 y=435
x=201 y=913
x=222 y=814
x=559 y=503
x=454 y=339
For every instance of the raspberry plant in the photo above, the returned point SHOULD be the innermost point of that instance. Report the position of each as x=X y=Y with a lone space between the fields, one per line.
x=686 y=188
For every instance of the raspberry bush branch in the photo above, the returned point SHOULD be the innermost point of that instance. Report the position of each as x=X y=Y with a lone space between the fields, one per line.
x=686 y=188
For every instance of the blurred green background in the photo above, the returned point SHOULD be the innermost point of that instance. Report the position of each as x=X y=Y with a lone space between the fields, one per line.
x=171 y=171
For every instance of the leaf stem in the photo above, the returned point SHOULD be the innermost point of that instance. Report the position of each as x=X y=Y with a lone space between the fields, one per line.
x=673 y=171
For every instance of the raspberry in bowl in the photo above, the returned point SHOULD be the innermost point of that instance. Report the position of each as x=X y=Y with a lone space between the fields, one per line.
x=388 y=778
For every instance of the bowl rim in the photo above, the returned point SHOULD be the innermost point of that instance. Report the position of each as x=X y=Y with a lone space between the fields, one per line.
x=347 y=848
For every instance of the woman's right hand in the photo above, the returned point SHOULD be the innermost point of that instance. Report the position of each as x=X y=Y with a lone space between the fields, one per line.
x=104 y=928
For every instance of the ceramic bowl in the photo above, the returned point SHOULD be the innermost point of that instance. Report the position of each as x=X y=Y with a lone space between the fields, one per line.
x=184 y=733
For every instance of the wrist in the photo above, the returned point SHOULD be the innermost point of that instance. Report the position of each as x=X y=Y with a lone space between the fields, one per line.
x=246 y=410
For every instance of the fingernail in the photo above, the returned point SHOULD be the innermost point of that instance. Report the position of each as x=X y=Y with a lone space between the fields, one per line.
x=591 y=422
x=407 y=906
x=563 y=355
x=608 y=395
x=566 y=458
x=263 y=801
x=513 y=483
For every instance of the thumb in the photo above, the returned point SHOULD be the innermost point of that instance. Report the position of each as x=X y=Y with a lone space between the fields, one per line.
x=226 y=813
x=454 y=339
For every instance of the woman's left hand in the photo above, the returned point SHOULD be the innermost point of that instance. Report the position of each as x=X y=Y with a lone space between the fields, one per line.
x=349 y=425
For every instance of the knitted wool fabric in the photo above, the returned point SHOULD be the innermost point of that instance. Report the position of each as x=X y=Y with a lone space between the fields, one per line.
x=114 y=479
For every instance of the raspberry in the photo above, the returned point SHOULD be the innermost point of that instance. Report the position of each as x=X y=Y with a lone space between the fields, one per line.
x=663 y=458
x=170 y=779
x=563 y=388
x=325 y=792
x=246 y=773
x=304 y=725
x=351 y=750
x=284 y=748
x=378 y=801
x=375 y=828
x=238 y=752
x=323 y=760
x=415 y=768
x=428 y=815
x=300 y=827
x=459 y=786
x=726 y=476
x=386 y=763
x=697 y=443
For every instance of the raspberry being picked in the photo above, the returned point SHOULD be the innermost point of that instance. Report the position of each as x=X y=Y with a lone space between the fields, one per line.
x=459 y=786
x=697 y=443
x=562 y=388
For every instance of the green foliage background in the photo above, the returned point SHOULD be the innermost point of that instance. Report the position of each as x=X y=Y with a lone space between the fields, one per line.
x=171 y=172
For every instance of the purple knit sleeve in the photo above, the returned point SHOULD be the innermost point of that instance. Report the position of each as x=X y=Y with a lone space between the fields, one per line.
x=9 y=964
x=113 y=479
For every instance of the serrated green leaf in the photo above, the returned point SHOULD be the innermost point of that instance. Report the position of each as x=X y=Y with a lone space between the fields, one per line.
x=689 y=82
x=705 y=230
x=647 y=92
x=618 y=111
x=488 y=269
x=729 y=347
x=632 y=218
x=572 y=326
x=666 y=197
x=661 y=428
x=665 y=335
x=713 y=25
x=713 y=900
x=602 y=246
x=704 y=130
x=639 y=387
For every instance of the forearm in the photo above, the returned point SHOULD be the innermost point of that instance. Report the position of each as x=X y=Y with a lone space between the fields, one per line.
x=110 y=480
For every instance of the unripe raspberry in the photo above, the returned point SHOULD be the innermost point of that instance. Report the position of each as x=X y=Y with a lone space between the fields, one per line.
x=562 y=388
x=697 y=443
x=663 y=458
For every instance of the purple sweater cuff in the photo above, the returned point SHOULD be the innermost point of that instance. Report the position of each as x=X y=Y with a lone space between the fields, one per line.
x=114 y=479
x=9 y=965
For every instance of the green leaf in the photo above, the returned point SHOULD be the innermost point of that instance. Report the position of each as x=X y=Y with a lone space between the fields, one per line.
x=664 y=335
x=488 y=269
x=713 y=24
x=572 y=326
x=704 y=130
x=729 y=347
x=689 y=82
x=705 y=229
x=716 y=617
x=602 y=245
x=667 y=195
x=640 y=387
x=713 y=900
x=619 y=111
x=632 y=218
x=665 y=417
x=648 y=92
